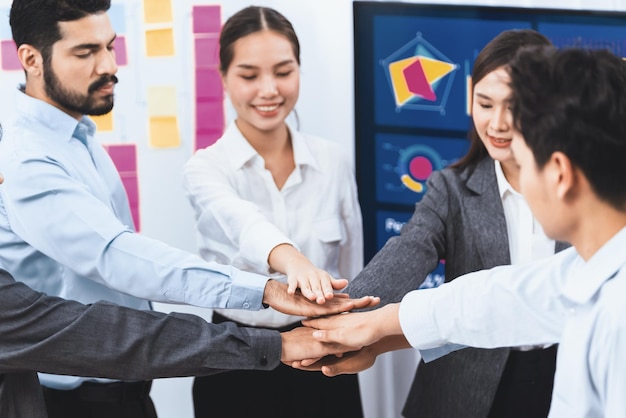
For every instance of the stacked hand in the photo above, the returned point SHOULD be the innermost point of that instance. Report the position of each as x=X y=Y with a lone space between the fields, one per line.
x=358 y=339
x=277 y=297
x=314 y=283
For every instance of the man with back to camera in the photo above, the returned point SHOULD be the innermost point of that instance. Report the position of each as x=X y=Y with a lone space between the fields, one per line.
x=568 y=106
x=65 y=224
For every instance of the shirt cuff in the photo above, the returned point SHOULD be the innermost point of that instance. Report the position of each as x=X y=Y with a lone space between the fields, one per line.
x=431 y=354
x=247 y=290
x=417 y=321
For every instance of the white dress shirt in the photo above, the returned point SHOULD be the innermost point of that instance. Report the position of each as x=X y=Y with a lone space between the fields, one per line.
x=241 y=215
x=560 y=299
x=527 y=241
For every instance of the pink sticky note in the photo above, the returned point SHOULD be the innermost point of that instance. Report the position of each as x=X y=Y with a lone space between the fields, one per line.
x=207 y=19
x=209 y=85
x=131 y=184
x=9 y=56
x=124 y=156
x=121 y=56
x=209 y=115
x=207 y=138
x=207 y=51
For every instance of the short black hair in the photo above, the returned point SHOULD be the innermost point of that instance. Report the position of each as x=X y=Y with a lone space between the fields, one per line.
x=573 y=100
x=35 y=22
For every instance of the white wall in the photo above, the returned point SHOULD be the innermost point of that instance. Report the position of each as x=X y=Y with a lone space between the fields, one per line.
x=325 y=108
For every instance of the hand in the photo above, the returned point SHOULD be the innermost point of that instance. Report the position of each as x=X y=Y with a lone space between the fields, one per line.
x=348 y=363
x=357 y=329
x=314 y=283
x=355 y=361
x=277 y=297
x=299 y=344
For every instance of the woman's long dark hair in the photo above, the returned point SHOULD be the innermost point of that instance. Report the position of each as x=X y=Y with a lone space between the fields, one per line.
x=497 y=53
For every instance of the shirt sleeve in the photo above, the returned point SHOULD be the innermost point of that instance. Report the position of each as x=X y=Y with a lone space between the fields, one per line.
x=221 y=212
x=57 y=214
x=113 y=341
x=503 y=307
x=607 y=367
x=405 y=260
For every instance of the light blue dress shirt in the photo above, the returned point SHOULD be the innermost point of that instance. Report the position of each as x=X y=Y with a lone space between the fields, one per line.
x=66 y=227
x=561 y=299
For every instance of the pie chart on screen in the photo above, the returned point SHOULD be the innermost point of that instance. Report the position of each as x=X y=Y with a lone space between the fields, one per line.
x=416 y=164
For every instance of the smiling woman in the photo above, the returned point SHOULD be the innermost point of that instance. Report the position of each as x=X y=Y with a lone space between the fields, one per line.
x=274 y=201
x=473 y=217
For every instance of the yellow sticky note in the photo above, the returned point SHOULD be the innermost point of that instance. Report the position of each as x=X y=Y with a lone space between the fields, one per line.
x=159 y=42
x=157 y=11
x=104 y=122
x=164 y=132
x=161 y=101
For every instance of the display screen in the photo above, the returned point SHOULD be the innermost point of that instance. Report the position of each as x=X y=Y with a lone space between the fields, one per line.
x=413 y=65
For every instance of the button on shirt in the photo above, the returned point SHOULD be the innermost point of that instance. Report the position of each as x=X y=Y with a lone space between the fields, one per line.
x=560 y=299
x=66 y=227
x=241 y=215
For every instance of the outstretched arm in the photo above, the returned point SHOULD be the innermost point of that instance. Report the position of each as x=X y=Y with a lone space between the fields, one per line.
x=108 y=340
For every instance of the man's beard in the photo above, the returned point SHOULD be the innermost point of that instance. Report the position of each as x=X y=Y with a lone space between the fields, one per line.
x=76 y=102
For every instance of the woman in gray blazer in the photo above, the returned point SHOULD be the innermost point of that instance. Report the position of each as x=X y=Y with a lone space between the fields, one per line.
x=463 y=220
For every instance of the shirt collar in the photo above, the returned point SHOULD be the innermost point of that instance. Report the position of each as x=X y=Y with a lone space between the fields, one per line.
x=85 y=130
x=585 y=280
x=240 y=150
x=53 y=118
x=503 y=184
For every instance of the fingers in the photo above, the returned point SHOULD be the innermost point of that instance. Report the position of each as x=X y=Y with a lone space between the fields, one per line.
x=366 y=302
x=352 y=362
x=318 y=323
x=316 y=285
x=309 y=362
x=330 y=371
x=334 y=336
x=292 y=286
x=309 y=294
x=338 y=284
x=328 y=288
x=316 y=288
x=303 y=365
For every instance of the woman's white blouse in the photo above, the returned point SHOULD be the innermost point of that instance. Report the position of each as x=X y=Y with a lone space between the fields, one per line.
x=241 y=215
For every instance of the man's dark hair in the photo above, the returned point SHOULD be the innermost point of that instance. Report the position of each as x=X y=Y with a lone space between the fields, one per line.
x=574 y=101
x=35 y=22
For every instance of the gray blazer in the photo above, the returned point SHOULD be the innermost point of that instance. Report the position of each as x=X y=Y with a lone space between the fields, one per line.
x=53 y=335
x=460 y=219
